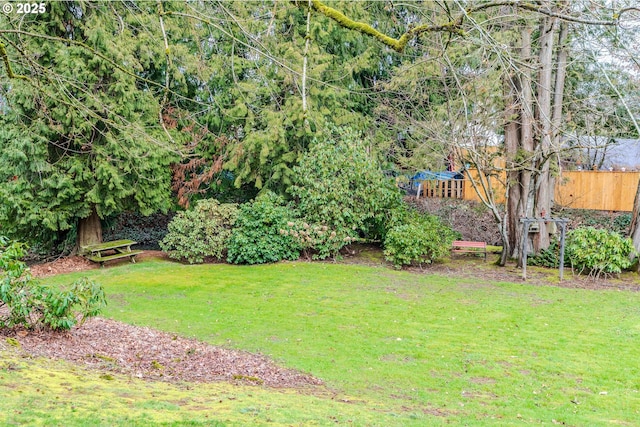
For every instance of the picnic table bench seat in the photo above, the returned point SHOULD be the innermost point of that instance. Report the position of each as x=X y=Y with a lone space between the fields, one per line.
x=108 y=251
x=462 y=246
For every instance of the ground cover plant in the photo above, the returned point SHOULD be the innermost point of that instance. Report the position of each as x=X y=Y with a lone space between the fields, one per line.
x=393 y=348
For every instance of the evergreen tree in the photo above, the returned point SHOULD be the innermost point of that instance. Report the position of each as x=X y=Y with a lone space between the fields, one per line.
x=251 y=80
x=79 y=136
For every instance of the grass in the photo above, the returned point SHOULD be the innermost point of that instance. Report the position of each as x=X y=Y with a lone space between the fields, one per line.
x=395 y=348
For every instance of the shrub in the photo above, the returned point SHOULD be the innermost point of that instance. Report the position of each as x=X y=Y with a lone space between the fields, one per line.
x=259 y=237
x=201 y=232
x=24 y=301
x=549 y=257
x=416 y=238
x=338 y=184
x=598 y=251
x=317 y=241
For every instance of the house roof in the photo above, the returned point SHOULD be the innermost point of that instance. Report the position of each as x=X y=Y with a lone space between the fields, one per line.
x=624 y=153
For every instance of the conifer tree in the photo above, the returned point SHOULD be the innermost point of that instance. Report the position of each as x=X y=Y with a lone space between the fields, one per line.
x=79 y=136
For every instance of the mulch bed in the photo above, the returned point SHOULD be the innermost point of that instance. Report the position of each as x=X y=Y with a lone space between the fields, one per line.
x=77 y=263
x=145 y=353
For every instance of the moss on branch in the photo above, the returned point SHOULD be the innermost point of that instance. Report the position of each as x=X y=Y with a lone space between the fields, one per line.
x=396 y=44
x=453 y=26
x=7 y=64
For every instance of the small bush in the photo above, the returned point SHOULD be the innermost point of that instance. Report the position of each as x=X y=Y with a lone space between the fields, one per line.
x=416 y=238
x=258 y=236
x=598 y=251
x=25 y=302
x=202 y=232
x=317 y=241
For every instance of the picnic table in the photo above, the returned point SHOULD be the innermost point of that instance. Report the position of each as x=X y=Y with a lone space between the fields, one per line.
x=107 y=251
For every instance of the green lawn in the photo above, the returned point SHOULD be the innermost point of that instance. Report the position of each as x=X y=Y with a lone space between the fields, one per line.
x=395 y=348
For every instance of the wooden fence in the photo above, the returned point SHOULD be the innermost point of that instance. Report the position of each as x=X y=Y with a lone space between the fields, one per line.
x=597 y=190
x=610 y=191
x=453 y=189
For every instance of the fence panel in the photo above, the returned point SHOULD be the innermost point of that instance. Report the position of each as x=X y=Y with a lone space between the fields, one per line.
x=598 y=190
x=453 y=188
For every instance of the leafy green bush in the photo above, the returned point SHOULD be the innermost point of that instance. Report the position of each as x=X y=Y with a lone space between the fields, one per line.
x=317 y=241
x=338 y=184
x=598 y=251
x=24 y=301
x=259 y=237
x=201 y=232
x=416 y=238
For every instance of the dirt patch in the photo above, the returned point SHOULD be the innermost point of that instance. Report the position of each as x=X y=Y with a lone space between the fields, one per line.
x=77 y=263
x=62 y=265
x=479 y=272
x=482 y=380
x=145 y=353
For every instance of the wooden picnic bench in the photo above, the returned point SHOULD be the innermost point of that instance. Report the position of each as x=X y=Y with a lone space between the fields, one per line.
x=461 y=246
x=107 y=251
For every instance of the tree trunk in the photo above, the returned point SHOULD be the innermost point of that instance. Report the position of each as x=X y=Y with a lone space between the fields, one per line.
x=519 y=148
x=558 y=93
x=558 y=100
x=89 y=230
x=543 y=191
x=634 y=227
x=512 y=145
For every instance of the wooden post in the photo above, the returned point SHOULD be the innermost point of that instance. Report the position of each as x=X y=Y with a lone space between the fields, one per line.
x=563 y=227
x=525 y=237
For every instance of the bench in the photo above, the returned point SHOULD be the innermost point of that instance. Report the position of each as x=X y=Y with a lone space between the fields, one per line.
x=460 y=246
x=107 y=251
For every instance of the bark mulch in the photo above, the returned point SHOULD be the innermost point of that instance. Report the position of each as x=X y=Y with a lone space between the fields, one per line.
x=145 y=353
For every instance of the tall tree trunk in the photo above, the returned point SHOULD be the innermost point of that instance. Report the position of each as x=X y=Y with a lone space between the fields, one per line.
x=634 y=227
x=519 y=149
x=558 y=99
x=542 y=205
x=512 y=146
x=89 y=230
x=558 y=92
